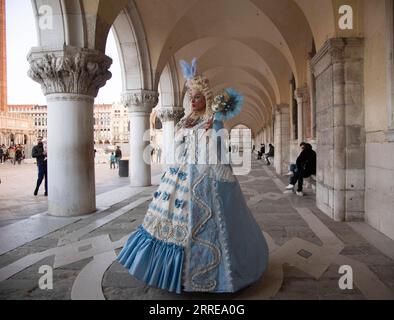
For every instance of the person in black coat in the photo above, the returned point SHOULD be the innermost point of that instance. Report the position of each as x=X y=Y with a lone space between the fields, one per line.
x=270 y=154
x=38 y=152
x=305 y=167
x=261 y=152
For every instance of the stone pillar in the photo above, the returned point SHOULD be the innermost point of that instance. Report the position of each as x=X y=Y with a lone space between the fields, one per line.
x=267 y=134
x=338 y=68
x=169 y=118
x=140 y=104
x=302 y=97
x=70 y=79
x=282 y=138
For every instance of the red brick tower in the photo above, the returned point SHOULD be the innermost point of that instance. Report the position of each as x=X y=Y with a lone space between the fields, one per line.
x=3 y=58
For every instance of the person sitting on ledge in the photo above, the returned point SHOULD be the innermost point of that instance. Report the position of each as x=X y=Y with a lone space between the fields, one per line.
x=305 y=167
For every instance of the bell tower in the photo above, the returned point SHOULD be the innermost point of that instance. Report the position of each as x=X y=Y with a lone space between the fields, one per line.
x=3 y=58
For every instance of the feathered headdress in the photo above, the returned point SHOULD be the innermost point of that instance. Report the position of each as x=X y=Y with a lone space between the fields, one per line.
x=227 y=104
x=197 y=82
x=189 y=71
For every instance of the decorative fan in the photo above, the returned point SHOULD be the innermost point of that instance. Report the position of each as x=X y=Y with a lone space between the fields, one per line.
x=227 y=104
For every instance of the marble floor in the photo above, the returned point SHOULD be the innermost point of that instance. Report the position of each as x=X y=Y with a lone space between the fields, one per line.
x=307 y=250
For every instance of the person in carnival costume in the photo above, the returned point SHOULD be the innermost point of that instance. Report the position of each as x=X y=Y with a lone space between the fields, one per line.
x=198 y=234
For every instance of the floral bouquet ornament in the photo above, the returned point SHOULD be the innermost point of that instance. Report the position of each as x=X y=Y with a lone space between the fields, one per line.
x=227 y=104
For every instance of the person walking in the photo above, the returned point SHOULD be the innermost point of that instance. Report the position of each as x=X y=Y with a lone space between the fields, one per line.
x=158 y=155
x=112 y=161
x=39 y=153
x=11 y=154
x=18 y=155
x=270 y=154
x=118 y=155
x=305 y=167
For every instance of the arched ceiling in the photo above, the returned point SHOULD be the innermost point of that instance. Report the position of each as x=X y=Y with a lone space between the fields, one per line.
x=254 y=46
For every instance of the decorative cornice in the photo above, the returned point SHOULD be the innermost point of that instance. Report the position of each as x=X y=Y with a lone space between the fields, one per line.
x=140 y=100
x=70 y=97
x=69 y=70
x=335 y=47
x=170 y=114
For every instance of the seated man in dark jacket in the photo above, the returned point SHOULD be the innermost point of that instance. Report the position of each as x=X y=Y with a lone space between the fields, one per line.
x=305 y=167
x=261 y=152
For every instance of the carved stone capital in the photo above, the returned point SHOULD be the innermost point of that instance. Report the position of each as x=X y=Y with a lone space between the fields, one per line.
x=282 y=108
x=170 y=114
x=142 y=101
x=69 y=70
x=302 y=94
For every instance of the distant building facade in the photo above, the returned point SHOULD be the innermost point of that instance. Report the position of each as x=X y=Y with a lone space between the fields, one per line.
x=111 y=124
x=102 y=123
x=16 y=129
x=120 y=125
x=37 y=113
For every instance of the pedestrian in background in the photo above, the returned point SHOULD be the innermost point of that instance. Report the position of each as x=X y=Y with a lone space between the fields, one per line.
x=118 y=155
x=112 y=160
x=39 y=153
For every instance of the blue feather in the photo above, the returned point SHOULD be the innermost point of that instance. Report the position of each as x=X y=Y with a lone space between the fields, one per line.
x=189 y=71
x=194 y=67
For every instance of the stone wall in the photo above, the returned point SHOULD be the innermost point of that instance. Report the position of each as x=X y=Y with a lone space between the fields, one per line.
x=379 y=114
x=338 y=68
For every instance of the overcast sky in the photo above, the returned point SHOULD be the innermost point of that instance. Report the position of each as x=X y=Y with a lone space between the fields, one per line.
x=21 y=36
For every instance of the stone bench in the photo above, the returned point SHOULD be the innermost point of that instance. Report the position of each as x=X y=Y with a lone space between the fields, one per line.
x=310 y=183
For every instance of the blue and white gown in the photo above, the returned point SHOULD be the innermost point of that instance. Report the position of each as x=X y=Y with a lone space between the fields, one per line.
x=198 y=234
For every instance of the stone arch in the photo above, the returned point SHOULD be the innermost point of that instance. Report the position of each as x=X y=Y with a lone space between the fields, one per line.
x=321 y=19
x=79 y=24
x=170 y=95
x=133 y=50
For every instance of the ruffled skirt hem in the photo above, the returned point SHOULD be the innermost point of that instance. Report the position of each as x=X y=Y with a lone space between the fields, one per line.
x=153 y=261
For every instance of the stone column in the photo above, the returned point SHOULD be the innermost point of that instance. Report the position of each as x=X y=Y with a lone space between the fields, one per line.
x=169 y=118
x=338 y=68
x=302 y=97
x=140 y=104
x=70 y=79
x=282 y=138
